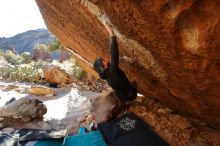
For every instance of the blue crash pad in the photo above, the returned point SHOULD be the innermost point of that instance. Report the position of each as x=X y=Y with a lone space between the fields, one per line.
x=93 y=138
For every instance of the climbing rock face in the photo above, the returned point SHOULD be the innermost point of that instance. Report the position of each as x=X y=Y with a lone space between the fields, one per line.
x=171 y=48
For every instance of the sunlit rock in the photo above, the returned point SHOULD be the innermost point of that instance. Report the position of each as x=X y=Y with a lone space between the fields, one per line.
x=173 y=45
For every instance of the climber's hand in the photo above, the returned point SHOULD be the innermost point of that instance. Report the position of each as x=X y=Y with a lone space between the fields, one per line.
x=108 y=28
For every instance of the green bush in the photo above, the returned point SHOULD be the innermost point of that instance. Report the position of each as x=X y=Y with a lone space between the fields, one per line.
x=42 y=47
x=79 y=73
x=26 y=57
x=22 y=68
x=51 y=47
x=1 y=52
x=13 y=58
x=74 y=69
x=31 y=72
x=55 y=45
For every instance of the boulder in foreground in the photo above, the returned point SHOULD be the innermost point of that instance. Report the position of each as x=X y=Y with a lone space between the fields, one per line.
x=56 y=75
x=23 y=109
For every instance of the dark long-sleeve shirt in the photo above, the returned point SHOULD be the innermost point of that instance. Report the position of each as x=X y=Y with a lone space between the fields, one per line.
x=116 y=78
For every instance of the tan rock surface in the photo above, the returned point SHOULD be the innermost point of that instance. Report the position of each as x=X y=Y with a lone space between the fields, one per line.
x=41 y=91
x=10 y=87
x=23 y=109
x=172 y=47
x=180 y=122
x=56 y=75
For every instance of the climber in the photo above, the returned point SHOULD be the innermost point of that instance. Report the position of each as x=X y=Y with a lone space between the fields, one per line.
x=109 y=70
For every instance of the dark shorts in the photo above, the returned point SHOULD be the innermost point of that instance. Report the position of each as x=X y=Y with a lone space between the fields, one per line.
x=129 y=130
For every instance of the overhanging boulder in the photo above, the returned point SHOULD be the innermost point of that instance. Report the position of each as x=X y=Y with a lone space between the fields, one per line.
x=171 y=48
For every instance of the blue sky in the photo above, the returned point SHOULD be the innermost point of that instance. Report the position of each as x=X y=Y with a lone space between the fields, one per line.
x=17 y=16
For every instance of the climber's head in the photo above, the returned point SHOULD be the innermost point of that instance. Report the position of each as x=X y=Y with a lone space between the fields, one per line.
x=105 y=62
x=100 y=65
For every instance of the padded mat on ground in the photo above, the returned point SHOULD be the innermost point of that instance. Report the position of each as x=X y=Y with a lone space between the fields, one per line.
x=93 y=138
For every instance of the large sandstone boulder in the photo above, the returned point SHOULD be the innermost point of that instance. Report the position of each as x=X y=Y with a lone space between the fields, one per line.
x=23 y=109
x=56 y=75
x=171 y=48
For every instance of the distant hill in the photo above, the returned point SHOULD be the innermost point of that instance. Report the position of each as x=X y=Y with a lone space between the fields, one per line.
x=26 y=41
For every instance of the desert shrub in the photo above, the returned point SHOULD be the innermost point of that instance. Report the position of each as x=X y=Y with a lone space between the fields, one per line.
x=22 y=68
x=3 y=62
x=12 y=58
x=16 y=59
x=1 y=52
x=42 y=47
x=55 y=45
x=79 y=73
x=26 y=57
x=73 y=69
x=51 y=47
x=31 y=72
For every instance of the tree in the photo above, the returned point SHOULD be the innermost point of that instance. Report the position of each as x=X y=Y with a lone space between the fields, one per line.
x=55 y=45
x=42 y=47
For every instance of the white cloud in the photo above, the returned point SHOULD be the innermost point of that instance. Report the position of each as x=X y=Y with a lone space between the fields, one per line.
x=17 y=16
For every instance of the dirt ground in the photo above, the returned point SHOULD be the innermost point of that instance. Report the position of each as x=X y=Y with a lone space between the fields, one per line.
x=175 y=129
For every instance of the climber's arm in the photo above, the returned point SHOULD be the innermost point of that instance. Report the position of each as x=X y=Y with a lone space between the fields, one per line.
x=113 y=47
x=114 y=51
x=109 y=29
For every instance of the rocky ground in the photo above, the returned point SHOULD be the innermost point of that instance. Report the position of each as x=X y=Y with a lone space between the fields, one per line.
x=66 y=106
x=177 y=130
